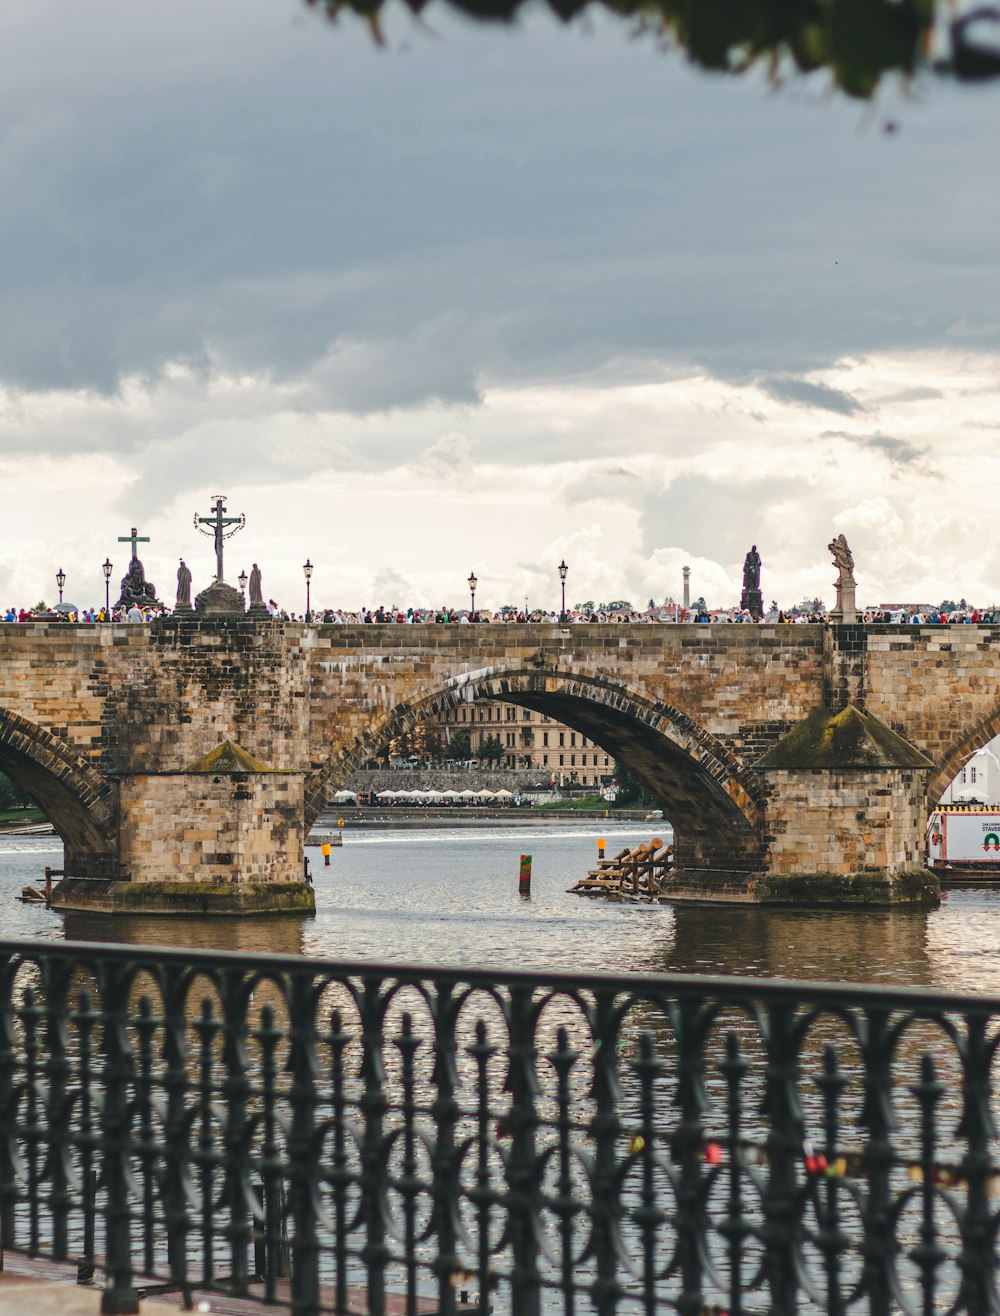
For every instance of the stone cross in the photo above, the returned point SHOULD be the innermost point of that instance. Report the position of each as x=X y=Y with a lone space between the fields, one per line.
x=133 y=539
x=219 y=521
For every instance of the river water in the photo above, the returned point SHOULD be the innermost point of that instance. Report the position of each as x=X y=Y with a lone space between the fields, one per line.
x=449 y=896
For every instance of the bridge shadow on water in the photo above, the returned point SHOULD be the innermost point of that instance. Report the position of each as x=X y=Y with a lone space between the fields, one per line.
x=273 y=936
x=855 y=945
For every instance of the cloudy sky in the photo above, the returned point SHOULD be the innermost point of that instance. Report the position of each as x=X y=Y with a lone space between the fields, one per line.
x=481 y=300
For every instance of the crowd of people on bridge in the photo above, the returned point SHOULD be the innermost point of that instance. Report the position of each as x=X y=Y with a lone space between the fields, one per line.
x=666 y=613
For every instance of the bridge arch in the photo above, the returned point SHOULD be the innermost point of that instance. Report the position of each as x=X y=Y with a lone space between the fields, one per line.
x=715 y=805
x=973 y=737
x=76 y=799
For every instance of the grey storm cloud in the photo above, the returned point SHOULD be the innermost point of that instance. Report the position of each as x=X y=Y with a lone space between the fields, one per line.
x=817 y=396
x=898 y=451
x=251 y=190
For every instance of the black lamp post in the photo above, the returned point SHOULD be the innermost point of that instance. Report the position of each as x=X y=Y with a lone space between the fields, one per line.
x=563 y=568
x=242 y=578
x=473 y=582
x=107 y=568
x=307 y=568
x=60 y=581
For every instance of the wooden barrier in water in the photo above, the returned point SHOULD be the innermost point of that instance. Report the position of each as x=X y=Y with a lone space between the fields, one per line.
x=630 y=874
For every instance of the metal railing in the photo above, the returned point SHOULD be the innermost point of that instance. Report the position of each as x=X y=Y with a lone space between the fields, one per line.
x=356 y=1137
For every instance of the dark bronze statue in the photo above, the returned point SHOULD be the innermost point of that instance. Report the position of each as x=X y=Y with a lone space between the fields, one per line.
x=751 y=569
x=751 y=599
x=136 y=589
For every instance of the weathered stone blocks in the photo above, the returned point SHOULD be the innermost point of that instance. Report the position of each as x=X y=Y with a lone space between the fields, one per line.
x=101 y=724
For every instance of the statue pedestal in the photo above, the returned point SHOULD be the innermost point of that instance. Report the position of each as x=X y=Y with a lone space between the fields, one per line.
x=753 y=601
x=258 y=612
x=845 y=610
x=219 y=600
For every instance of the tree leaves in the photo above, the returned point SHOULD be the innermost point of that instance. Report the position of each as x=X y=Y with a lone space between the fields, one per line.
x=860 y=42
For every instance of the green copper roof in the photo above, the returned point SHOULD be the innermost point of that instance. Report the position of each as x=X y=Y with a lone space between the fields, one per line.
x=228 y=758
x=848 y=739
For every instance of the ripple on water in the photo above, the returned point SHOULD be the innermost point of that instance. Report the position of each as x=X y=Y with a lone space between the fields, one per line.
x=449 y=896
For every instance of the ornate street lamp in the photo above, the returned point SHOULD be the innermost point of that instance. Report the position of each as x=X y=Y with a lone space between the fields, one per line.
x=60 y=581
x=307 y=568
x=563 y=568
x=473 y=582
x=107 y=568
x=242 y=578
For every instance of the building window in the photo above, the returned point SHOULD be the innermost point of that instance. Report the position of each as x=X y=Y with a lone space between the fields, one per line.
x=572 y=760
x=545 y=739
x=972 y=774
x=572 y=737
x=526 y=714
x=963 y=777
x=561 y=760
x=562 y=737
x=545 y=760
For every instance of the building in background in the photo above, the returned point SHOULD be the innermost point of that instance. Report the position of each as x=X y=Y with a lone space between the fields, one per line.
x=528 y=739
x=979 y=780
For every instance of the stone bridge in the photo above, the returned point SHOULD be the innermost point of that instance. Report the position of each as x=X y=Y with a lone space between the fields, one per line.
x=183 y=762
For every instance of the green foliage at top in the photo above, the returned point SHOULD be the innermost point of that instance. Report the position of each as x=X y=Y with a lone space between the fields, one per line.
x=859 y=42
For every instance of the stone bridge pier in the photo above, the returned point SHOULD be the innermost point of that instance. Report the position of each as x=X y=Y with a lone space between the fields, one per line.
x=184 y=762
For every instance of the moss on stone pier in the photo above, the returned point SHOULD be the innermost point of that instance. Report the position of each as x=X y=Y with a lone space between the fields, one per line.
x=216 y=898
x=847 y=739
x=917 y=889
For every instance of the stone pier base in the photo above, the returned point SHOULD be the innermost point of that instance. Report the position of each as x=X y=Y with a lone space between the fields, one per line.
x=225 y=898
x=917 y=888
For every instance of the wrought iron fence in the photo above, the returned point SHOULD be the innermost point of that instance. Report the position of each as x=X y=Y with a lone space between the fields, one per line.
x=355 y=1137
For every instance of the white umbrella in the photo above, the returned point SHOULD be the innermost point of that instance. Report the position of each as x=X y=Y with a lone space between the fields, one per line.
x=434 y=797
x=344 y=797
x=504 y=795
x=386 y=795
x=467 y=797
x=451 y=795
x=485 y=795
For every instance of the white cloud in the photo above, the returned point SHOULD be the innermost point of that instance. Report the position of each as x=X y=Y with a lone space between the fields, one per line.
x=482 y=300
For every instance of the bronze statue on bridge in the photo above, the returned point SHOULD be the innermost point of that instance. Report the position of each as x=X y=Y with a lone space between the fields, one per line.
x=751 y=600
x=136 y=590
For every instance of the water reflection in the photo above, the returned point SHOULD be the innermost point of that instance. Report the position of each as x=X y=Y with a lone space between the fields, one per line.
x=834 y=945
x=277 y=936
x=446 y=896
